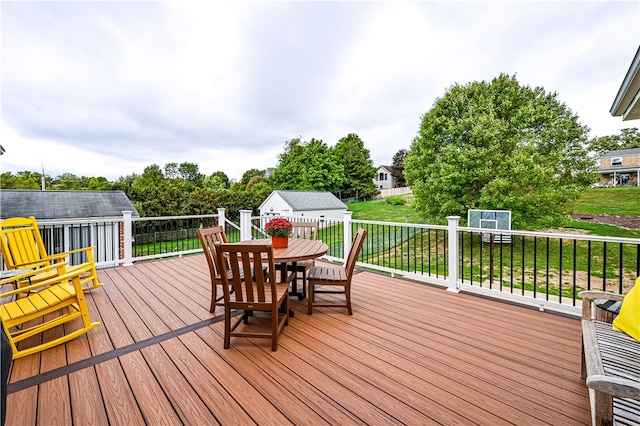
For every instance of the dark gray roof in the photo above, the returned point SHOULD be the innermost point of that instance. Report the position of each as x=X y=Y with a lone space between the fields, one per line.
x=309 y=200
x=622 y=152
x=46 y=205
x=390 y=169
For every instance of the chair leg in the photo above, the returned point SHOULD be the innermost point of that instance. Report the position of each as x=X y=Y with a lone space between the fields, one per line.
x=94 y=278
x=310 y=299
x=274 y=328
x=227 y=327
x=347 y=293
x=304 y=284
x=213 y=298
x=286 y=310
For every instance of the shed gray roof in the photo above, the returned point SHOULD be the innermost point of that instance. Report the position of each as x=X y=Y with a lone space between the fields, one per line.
x=46 y=205
x=622 y=152
x=309 y=200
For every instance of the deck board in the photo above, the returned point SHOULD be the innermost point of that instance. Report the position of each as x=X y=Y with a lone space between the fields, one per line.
x=410 y=354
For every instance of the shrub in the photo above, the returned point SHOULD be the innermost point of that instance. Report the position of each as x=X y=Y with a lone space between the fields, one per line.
x=395 y=201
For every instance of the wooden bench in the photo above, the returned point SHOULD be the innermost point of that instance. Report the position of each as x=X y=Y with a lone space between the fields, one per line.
x=610 y=365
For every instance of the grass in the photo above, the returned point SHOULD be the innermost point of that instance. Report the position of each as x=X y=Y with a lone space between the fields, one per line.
x=380 y=210
x=603 y=229
x=604 y=259
x=621 y=201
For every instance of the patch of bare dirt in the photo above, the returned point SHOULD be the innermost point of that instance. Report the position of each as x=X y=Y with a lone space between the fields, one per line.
x=628 y=222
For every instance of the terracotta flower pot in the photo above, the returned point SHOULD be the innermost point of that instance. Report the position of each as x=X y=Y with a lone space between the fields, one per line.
x=279 y=242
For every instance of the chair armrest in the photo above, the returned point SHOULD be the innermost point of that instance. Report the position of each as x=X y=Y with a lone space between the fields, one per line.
x=62 y=276
x=55 y=257
x=62 y=255
x=615 y=386
x=589 y=296
x=33 y=272
x=76 y=250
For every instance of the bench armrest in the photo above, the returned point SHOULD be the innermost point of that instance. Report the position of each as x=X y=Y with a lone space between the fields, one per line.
x=589 y=296
x=615 y=386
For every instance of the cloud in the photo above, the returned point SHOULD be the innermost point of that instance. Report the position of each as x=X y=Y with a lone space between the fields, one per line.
x=225 y=84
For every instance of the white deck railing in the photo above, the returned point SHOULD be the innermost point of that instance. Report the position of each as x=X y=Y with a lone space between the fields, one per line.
x=451 y=256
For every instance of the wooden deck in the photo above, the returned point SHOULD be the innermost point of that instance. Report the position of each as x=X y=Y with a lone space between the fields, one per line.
x=410 y=354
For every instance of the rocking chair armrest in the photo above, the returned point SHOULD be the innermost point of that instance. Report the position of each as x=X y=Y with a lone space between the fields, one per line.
x=87 y=249
x=63 y=276
x=56 y=257
x=35 y=263
x=60 y=266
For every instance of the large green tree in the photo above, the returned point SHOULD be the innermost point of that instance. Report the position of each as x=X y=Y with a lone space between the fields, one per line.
x=358 y=168
x=249 y=178
x=499 y=145
x=627 y=139
x=307 y=166
x=398 y=166
x=24 y=180
x=217 y=180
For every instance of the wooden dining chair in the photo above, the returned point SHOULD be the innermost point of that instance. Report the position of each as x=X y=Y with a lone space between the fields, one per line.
x=208 y=238
x=307 y=231
x=341 y=277
x=259 y=291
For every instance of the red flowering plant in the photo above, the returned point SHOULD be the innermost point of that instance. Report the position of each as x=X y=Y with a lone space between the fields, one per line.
x=278 y=227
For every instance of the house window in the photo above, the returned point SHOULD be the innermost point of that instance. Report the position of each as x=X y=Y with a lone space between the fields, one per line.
x=616 y=161
x=382 y=176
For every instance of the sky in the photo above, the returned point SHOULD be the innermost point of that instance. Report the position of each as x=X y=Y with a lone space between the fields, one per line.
x=108 y=88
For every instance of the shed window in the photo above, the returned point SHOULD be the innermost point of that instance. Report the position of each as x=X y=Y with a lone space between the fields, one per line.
x=616 y=161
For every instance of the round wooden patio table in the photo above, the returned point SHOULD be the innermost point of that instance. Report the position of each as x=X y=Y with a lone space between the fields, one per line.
x=297 y=250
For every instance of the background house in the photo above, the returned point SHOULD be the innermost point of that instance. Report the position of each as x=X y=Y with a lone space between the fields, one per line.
x=620 y=167
x=627 y=101
x=385 y=178
x=303 y=203
x=97 y=216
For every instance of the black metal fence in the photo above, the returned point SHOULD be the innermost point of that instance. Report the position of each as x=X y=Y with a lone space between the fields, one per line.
x=544 y=266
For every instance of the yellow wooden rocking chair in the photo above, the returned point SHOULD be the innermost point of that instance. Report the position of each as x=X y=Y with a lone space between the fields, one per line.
x=38 y=307
x=22 y=247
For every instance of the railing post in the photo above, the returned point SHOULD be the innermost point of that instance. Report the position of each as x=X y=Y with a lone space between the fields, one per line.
x=222 y=220
x=245 y=225
x=127 y=238
x=347 y=233
x=453 y=254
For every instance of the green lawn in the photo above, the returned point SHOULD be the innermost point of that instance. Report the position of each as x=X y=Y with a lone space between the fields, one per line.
x=621 y=201
x=380 y=210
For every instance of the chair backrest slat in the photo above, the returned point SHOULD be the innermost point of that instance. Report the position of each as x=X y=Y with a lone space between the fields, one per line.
x=355 y=251
x=305 y=230
x=249 y=274
x=21 y=242
x=208 y=238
